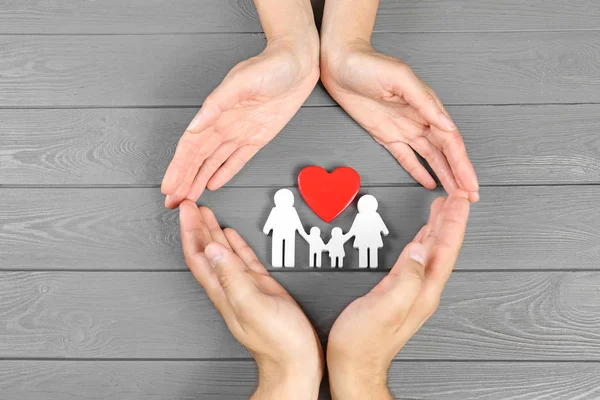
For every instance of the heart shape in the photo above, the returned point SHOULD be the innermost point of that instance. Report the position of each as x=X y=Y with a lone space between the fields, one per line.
x=328 y=194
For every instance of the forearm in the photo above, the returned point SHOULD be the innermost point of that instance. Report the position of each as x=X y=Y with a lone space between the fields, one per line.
x=347 y=20
x=281 y=18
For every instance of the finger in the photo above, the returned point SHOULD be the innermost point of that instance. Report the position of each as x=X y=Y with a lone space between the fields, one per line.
x=433 y=213
x=435 y=224
x=400 y=289
x=445 y=251
x=416 y=93
x=185 y=153
x=223 y=98
x=245 y=252
x=453 y=147
x=206 y=149
x=213 y=226
x=421 y=234
x=406 y=157
x=232 y=166
x=240 y=290
x=208 y=168
x=437 y=161
x=195 y=235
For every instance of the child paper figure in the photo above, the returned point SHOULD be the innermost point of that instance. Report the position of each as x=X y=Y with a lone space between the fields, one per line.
x=367 y=229
x=284 y=222
x=335 y=247
x=315 y=247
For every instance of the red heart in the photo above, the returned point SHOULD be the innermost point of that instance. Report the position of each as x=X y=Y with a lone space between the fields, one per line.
x=328 y=194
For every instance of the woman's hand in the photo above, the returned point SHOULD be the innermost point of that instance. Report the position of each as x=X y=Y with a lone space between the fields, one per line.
x=400 y=111
x=254 y=102
x=372 y=329
x=258 y=311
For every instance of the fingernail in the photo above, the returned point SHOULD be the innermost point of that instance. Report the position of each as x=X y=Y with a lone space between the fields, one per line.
x=447 y=122
x=417 y=253
x=214 y=253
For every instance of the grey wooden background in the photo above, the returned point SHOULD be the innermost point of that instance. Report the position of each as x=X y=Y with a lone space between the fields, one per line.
x=95 y=300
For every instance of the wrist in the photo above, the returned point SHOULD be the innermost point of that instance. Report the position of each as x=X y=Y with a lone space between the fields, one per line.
x=290 y=383
x=304 y=48
x=349 y=382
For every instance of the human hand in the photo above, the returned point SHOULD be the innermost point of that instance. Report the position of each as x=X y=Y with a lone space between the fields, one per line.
x=372 y=329
x=258 y=311
x=401 y=113
x=254 y=102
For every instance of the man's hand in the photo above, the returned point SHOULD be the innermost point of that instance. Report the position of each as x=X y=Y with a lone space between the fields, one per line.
x=254 y=102
x=400 y=111
x=258 y=311
x=372 y=329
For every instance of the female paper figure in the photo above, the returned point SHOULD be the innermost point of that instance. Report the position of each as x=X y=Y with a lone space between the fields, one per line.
x=315 y=247
x=284 y=222
x=367 y=229
x=335 y=247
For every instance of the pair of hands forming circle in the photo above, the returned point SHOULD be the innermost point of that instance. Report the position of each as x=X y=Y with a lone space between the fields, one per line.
x=250 y=107
x=259 y=96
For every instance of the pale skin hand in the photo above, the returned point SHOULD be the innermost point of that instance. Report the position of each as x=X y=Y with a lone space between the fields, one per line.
x=249 y=108
x=386 y=98
x=258 y=311
x=372 y=329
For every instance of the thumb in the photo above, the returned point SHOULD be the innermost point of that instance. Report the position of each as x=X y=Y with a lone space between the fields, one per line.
x=223 y=98
x=418 y=95
x=400 y=289
x=231 y=272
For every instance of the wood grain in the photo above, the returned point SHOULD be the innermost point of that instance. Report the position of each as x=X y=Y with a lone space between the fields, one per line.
x=191 y=380
x=181 y=70
x=188 y=16
x=552 y=144
x=483 y=315
x=121 y=228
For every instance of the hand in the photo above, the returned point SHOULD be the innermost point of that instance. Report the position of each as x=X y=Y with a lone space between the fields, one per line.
x=372 y=329
x=258 y=311
x=254 y=102
x=401 y=113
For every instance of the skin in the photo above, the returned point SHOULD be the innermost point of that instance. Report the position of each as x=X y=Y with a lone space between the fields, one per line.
x=249 y=108
x=258 y=311
x=263 y=317
x=389 y=101
x=372 y=329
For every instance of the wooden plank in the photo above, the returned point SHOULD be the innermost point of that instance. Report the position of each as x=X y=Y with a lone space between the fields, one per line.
x=507 y=144
x=181 y=380
x=149 y=70
x=188 y=16
x=123 y=228
x=119 y=315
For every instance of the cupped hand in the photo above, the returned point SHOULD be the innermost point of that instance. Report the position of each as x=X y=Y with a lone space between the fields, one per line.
x=372 y=329
x=401 y=113
x=254 y=102
x=258 y=311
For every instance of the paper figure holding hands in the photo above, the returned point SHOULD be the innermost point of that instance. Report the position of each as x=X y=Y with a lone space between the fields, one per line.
x=335 y=247
x=284 y=222
x=367 y=229
x=315 y=247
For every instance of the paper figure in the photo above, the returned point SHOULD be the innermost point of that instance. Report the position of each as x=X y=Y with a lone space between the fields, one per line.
x=335 y=247
x=315 y=247
x=284 y=222
x=367 y=229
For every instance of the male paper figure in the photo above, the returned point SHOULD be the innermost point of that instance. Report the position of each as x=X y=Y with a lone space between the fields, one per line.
x=284 y=222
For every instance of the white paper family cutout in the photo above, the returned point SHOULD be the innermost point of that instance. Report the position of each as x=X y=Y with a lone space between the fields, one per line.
x=284 y=221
